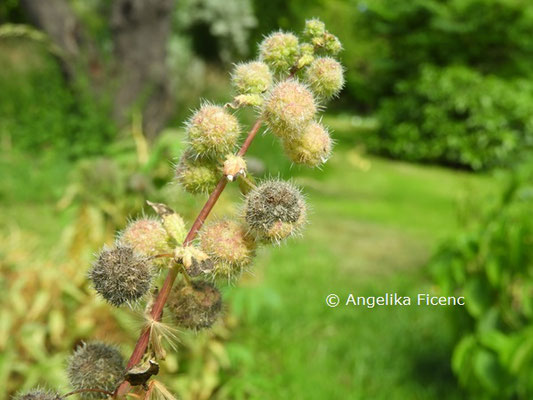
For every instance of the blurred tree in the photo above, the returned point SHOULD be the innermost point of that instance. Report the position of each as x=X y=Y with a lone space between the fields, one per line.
x=135 y=74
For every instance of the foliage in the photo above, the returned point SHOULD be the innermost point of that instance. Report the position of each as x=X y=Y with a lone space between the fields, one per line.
x=39 y=112
x=227 y=22
x=455 y=115
x=491 y=266
x=472 y=116
x=491 y=36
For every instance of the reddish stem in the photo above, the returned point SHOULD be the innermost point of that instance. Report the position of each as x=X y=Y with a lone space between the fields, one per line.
x=251 y=135
x=167 y=255
x=162 y=296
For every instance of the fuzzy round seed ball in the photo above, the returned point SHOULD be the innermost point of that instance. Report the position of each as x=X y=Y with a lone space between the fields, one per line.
x=121 y=275
x=332 y=44
x=325 y=77
x=229 y=245
x=280 y=51
x=312 y=148
x=307 y=55
x=195 y=306
x=95 y=365
x=146 y=236
x=313 y=28
x=197 y=175
x=274 y=210
x=252 y=77
x=38 y=394
x=212 y=131
x=289 y=106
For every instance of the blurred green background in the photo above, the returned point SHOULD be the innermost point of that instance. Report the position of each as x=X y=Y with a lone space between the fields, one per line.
x=429 y=190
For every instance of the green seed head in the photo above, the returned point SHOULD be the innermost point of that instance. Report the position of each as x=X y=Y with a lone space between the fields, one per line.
x=121 y=275
x=280 y=51
x=325 y=77
x=251 y=78
x=274 y=211
x=197 y=175
x=312 y=148
x=332 y=44
x=289 y=106
x=38 y=394
x=307 y=55
x=314 y=28
x=146 y=236
x=195 y=306
x=95 y=365
x=229 y=245
x=212 y=131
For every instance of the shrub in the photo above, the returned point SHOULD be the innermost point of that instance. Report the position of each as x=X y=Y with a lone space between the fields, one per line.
x=491 y=265
x=488 y=35
x=455 y=115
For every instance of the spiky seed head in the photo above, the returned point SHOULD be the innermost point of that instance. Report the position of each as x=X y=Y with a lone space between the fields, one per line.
x=314 y=28
x=195 y=306
x=325 y=76
x=332 y=44
x=280 y=51
x=38 y=394
x=307 y=55
x=197 y=175
x=234 y=165
x=289 y=106
x=212 y=131
x=251 y=78
x=146 y=236
x=121 y=275
x=274 y=210
x=312 y=148
x=229 y=245
x=95 y=365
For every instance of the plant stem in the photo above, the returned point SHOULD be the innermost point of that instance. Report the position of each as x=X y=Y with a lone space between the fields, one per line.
x=162 y=296
x=167 y=255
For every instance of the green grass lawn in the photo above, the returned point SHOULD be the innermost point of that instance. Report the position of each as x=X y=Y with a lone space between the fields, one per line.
x=371 y=232
x=373 y=225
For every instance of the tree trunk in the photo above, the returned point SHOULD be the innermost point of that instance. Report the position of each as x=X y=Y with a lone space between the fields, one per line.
x=57 y=20
x=138 y=78
x=141 y=29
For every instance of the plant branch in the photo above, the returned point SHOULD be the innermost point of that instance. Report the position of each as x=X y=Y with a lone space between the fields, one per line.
x=164 y=255
x=162 y=296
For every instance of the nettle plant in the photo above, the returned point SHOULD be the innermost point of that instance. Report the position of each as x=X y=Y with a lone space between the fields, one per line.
x=288 y=84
